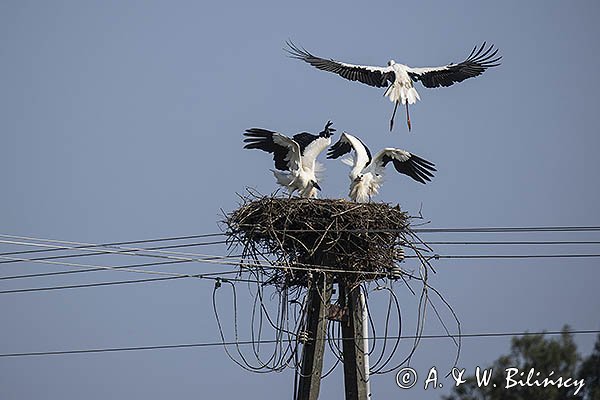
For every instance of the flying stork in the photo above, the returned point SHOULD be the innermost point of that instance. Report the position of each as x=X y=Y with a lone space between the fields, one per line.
x=400 y=77
x=366 y=175
x=295 y=158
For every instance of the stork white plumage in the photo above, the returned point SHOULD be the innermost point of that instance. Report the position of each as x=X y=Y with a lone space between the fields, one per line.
x=295 y=158
x=400 y=77
x=366 y=175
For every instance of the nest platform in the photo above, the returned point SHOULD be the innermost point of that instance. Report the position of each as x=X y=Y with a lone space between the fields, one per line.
x=357 y=242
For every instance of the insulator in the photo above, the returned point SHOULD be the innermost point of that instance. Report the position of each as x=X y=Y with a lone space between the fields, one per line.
x=303 y=337
x=395 y=273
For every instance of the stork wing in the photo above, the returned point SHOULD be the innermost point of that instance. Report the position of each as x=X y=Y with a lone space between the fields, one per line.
x=286 y=152
x=478 y=61
x=406 y=163
x=312 y=149
x=304 y=139
x=373 y=76
x=346 y=144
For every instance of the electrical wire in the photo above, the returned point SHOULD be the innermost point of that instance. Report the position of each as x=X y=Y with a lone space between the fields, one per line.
x=125 y=269
x=510 y=229
x=125 y=282
x=182 y=256
x=41 y=289
x=507 y=256
x=97 y=253
x=284 y=353
x=417 y=230
x=136 y=251
x=130 y=268
x=520 y=242
x=247 y=342
x=213 y=259
x=205 y=235
x=139 y=252
x=77 y=271
x=465 y=230
x=207 y=259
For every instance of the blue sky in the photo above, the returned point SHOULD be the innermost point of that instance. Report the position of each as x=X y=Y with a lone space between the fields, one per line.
x=123 y=121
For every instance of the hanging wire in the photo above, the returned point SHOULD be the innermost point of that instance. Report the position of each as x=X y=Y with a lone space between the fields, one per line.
x=283 y=312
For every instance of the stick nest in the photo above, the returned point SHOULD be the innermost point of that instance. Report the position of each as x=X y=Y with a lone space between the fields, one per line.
x=302 y=236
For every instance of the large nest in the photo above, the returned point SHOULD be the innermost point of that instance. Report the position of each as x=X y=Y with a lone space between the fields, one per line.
x=300 y=236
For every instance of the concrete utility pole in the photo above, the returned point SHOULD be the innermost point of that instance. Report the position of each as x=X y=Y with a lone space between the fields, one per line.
x=354 y=345
x=312 y=352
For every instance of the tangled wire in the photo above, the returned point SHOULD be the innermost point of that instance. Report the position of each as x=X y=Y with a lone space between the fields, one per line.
x=291 y=246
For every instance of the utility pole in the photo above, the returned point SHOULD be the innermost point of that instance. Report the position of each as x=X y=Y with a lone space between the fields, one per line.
x=328 y=242
x=319 y=297
x=354 y=345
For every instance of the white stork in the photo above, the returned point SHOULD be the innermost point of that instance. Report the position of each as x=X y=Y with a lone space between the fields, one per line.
x=401 y=77
x=295 y=158
x=366 y=175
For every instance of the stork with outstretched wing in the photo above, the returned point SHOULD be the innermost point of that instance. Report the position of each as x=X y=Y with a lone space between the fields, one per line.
x=399 y=78
x=295 y=158
x=366 y=174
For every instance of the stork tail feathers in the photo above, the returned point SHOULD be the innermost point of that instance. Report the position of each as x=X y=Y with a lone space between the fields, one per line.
x=401 y=93
x=404 y=93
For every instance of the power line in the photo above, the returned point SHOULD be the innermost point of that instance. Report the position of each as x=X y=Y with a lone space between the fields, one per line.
x=98 y=253
x=41 y=289
x=77 y=271
x=205 y=235
x=139 y=252
x=224 y=241
x=234 y=256
x=506 y=256
x=181 y=256
x=213 y=259
x=192 y=257
x=136 y=251
x=520 y=242
x=248 y=342
x=125 y=282
x=510 y=229
x=86 y=246
x=461 y=230
x=111 y=283
x=208 y=260
x=129 y=268
x=417 y=230
x=126 y=269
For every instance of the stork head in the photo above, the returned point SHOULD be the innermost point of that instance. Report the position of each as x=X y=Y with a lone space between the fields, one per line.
x=327 y=131
x=358 y=178
x=315 y=185
x=391 y=62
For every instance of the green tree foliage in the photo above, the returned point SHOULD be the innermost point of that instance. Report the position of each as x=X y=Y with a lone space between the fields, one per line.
x=544 y=355
x=590 y=371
